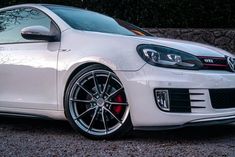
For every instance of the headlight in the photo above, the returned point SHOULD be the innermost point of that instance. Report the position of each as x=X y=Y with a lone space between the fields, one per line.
x=168 y=57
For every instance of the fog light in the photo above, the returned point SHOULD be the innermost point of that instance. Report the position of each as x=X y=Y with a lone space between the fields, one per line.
x=162 y=99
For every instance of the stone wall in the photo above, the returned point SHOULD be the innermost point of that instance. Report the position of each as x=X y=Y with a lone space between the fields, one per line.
x=222 y=38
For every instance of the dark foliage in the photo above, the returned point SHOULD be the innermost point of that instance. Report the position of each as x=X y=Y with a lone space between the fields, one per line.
x=158 y=13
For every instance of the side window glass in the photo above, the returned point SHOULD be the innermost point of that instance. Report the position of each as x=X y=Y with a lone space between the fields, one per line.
x=13 y=21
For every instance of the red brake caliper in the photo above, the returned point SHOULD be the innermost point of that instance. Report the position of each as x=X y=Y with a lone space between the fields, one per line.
x=118 y=108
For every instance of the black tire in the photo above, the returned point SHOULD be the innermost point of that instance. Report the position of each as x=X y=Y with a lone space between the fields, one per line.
x=99 y=103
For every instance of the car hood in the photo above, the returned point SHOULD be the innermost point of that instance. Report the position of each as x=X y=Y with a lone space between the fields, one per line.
x=194 y=48
x=119 y=51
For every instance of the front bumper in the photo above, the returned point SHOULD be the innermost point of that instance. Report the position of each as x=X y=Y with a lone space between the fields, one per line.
x=200 y=122
x=139 y=87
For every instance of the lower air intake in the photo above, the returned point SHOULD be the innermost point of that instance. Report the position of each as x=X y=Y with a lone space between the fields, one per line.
x=222 y=98
x=179 y=100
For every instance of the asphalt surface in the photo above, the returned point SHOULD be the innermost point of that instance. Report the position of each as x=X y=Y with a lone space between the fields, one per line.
x=30 y=137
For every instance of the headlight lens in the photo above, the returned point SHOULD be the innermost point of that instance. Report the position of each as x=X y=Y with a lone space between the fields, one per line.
x=168 y=57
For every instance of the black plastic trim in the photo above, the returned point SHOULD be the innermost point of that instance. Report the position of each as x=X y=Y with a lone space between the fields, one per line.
x=198 y=107
x=177 y=105
x=197 y=100
x=191 y=124
x=24 y=115
x=196 y=93
x=222 y=98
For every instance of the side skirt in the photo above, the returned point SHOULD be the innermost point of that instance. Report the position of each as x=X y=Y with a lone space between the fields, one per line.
x=24 y=115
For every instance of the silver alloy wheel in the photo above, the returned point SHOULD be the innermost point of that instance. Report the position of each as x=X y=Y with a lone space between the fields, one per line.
x=97 y=102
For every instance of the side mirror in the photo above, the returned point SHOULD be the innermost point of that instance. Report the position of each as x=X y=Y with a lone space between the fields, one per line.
x=38 y=33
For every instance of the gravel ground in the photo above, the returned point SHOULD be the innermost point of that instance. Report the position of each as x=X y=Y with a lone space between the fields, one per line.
x=28 y=137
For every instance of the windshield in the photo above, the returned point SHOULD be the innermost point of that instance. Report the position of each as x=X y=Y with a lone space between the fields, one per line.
x=91 y=21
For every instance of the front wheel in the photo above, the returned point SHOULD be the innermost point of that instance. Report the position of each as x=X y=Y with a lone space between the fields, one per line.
x=96 y=104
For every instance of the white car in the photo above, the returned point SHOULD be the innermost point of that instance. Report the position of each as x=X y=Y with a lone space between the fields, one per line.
x=106 y=76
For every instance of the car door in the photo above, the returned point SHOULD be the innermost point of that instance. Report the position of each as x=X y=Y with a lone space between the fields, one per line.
x=27 y=67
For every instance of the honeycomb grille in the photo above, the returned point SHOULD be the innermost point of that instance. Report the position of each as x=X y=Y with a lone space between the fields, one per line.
x=222 y=98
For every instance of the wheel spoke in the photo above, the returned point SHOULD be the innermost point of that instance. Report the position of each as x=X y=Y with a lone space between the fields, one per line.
x=95 y=83
x=92 y=120
x=85 y=112
x=104 y=121
x=116 y=103
x=114 y=93
x=113 y=115
x=85 y=90
x=82 y=101
x=106 y=84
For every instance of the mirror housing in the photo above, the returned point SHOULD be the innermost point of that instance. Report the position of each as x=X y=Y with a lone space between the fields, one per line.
x=38 y=33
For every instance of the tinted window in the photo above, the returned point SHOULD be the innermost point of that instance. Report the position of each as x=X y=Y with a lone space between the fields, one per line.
x=13 y=21
x=92 y=21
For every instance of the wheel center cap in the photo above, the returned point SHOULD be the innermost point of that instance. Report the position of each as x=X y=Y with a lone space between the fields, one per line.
x=100 y=102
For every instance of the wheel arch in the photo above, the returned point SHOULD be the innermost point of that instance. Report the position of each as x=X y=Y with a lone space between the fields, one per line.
x=79 y=68
x=76 y=70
